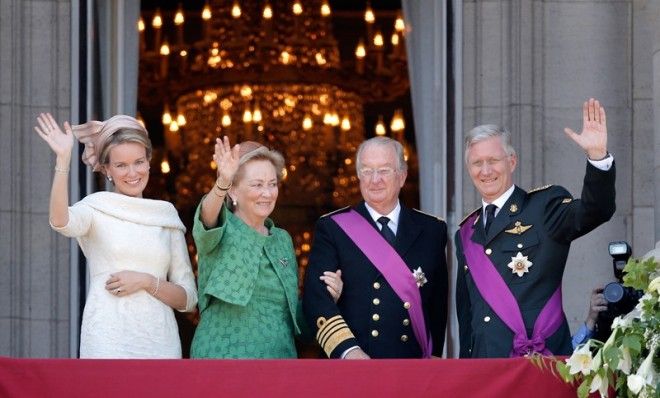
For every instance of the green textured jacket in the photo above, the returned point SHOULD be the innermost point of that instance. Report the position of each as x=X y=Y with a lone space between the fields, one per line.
x=230 y=253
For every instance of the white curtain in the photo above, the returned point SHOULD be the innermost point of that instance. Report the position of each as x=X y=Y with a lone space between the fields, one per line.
x=428 y=65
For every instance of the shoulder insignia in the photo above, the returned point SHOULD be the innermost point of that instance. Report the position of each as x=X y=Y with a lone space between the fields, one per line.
x=567 y=200
x=332 y=332
x=539 y=188
x=469 y=214
x=429 y=214
x=336 y=211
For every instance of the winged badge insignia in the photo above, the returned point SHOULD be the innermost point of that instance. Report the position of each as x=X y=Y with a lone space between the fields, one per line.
x=518 y=228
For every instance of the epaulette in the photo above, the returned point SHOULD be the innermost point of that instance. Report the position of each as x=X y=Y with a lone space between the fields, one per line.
x=539 y=188
x=469 y=214
x=429 y=214
x=336 y=211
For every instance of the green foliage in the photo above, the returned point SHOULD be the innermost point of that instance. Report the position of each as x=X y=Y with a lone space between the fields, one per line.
x=637 y=273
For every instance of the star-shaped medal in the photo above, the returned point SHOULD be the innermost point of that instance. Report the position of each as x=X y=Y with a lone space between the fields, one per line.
x=419 y=276
x=519 y=264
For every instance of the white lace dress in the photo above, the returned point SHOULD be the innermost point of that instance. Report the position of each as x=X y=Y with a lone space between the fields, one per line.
x=118 y=232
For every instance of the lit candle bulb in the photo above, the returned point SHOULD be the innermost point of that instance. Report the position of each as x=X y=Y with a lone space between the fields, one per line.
x=399 y=25
x=345 y=123
x=297 y=8
x=307 y=123
x=267 y=12
x=206 y=17
x=226 y=120
x=360 y=53
x=181 y=120
x=325 y=9
x=178 y=21
x=157 y=24
x=167 y=117
x=236 y=10
x=164 y=166
x=256 y=115
x=380 y=126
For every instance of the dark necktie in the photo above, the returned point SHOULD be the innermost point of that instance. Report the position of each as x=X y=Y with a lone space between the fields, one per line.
x=490 y=215
x=386 y=231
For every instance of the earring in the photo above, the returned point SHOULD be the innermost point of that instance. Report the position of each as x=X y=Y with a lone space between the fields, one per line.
x=109 y=178
x=234 y=202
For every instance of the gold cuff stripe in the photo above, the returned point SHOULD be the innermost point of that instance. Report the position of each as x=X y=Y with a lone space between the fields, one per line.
x=330 y=331
x=326 y=326
x=337 y=338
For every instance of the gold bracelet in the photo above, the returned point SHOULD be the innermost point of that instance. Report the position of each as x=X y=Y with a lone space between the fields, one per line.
x=221 y=188
x=63 y=171
x=221 y=194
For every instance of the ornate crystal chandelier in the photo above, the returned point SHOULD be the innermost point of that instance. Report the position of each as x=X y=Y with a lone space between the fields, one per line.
x=269 y=72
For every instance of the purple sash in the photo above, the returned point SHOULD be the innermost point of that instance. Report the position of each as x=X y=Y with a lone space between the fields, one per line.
x=391 y=265
x=495 y=291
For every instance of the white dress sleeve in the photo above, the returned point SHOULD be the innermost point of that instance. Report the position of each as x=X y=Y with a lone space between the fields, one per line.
x=80 y=221
x=180 y=271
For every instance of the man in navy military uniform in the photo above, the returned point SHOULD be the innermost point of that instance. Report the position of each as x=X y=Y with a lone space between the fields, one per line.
x=512 y=251
x=393 y=264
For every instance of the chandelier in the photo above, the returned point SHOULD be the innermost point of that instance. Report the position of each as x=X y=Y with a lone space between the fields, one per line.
x=270 y=72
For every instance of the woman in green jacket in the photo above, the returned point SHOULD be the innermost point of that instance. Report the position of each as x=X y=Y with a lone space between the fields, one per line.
x=248 y=274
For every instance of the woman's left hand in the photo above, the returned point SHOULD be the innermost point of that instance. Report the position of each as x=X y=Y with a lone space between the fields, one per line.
x=334 y=284
x=124 y=283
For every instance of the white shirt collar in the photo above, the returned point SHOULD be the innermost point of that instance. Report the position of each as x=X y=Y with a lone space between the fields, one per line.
x=393 y=216
x=499 y=202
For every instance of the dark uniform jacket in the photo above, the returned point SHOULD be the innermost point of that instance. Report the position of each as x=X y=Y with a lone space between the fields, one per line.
x=369 y=314
x=554 y=219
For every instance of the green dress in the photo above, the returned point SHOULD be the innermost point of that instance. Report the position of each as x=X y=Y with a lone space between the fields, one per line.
x=248 y=291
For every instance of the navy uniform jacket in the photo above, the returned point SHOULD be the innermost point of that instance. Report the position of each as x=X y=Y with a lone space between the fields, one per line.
x=369 y=313
x=555 y=219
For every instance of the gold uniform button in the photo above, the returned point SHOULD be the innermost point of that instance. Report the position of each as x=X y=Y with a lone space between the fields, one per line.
x=489 y=251
x=486 y=319
x=375 y=317
x=406 y=305
x=376 y=301
x=374 y=333
x=376 y=285
x=520 y=245
x=404 y=338
x=406 y=322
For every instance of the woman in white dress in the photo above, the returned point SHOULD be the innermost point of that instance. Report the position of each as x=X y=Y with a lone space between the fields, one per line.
x=135 y=248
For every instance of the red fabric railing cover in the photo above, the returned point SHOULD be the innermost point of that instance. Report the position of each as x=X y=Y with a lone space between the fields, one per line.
x=272 y=378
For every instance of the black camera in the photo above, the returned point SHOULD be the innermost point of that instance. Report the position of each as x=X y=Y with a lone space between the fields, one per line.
x=620 y=299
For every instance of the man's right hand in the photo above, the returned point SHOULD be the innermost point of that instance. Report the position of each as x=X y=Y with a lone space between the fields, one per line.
x=357 y=353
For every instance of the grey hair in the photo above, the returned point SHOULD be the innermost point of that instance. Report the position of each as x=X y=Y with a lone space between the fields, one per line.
x=382 y=141
x=261 y=153
x=486 y=131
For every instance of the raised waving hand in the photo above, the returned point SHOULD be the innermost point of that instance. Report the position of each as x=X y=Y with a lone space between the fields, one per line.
x=61 y=142
x=226 y=158
x=593 y=138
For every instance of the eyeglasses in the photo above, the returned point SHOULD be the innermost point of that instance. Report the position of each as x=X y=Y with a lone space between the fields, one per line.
x=383 y=172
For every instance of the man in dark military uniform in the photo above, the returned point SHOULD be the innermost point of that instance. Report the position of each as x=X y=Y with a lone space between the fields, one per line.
x=515 y=246
x=394 y=298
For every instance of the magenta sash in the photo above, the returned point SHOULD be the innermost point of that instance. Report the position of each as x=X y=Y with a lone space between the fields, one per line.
x=496 y=293
x=391 y=265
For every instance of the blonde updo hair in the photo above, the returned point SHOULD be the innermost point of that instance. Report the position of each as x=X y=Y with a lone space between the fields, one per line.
x=123 y=136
